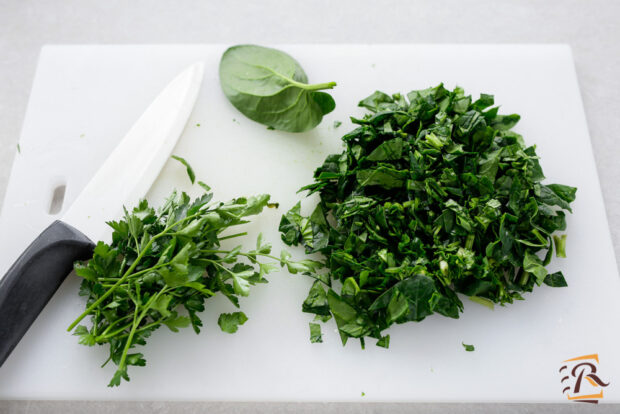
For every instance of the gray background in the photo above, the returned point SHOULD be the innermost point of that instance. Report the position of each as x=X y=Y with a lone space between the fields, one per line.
x=590 y=27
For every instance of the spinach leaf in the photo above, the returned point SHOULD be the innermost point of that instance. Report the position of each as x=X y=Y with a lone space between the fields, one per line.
x=434 y=196
x=555 y=280
x=270 y=87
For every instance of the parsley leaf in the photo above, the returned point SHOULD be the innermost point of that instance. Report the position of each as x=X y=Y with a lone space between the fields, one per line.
x=161 y=267
x=229 y=322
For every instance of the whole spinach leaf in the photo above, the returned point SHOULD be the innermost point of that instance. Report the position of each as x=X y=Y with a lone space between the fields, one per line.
x=433 y=196
x=270 y=87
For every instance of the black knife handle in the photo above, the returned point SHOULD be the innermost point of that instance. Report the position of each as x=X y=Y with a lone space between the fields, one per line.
x=34 y=277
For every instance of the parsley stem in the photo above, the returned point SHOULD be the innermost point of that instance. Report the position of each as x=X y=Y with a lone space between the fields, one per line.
x=103 y=334
x=106 y=361
x=150 y=325
x=102 y=337
x=234 y=235
x=117 y=284
x=136 y=322
x=129 y=271
x=241 y=254
x=218 y=264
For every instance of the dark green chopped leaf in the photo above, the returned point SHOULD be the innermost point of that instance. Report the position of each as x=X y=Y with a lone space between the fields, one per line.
x=555 y=280
x=384 y=341
x=315 y=333
x=532 y=264
x=337 y=124
x=316 y=302
x=433 y=196
x=229 y=322
x=468 y=348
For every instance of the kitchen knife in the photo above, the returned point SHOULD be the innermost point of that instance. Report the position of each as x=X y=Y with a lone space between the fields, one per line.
x=124 y=178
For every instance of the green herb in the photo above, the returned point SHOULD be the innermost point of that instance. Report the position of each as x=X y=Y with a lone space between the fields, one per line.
x=434 y=195
x=468 y=348
x=229 y=322
x=190 y=171
x=337 y=124
x=160 y=268
x=19 y=150
x=270 y=87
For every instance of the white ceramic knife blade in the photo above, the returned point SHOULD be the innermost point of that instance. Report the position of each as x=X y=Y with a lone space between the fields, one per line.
x=128 y=173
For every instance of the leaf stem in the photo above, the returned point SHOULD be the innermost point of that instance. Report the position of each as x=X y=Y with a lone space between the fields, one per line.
x=128 y=272
x=150 y=325
x=233 y=235
x=300 y=85
x=114 y=323
x=136 y=322
x=241 y=254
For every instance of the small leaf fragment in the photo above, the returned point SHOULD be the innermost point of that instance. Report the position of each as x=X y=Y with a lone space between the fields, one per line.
x=190 y=171
x=230 y=322
x=315 y=333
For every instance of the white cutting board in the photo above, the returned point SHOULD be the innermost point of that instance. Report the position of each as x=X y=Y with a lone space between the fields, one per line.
x=85 y=98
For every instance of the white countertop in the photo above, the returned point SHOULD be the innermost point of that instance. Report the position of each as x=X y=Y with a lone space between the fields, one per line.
x=589 y=27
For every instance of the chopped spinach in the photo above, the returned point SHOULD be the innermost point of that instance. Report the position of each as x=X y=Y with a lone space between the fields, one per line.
x=433 y=196
x=270 y=87
x=315 y=332
x=468 y=348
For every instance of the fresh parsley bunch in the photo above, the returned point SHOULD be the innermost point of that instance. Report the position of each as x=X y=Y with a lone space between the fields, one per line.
x=433 y=196
x=161 y=267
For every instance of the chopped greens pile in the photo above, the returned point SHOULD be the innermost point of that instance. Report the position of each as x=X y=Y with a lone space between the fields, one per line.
x=433 y=195
x=160 y=268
